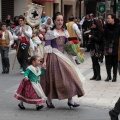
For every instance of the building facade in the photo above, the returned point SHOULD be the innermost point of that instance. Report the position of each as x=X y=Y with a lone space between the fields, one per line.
x=67 y=7
x=12 y=7
x=18 y=7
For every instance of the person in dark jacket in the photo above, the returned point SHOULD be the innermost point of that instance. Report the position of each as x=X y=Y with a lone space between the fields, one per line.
x=96 y=48
x=85 y=27
x=111 y=39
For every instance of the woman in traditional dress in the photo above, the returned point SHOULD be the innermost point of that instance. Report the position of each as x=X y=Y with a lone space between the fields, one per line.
x=62 y=79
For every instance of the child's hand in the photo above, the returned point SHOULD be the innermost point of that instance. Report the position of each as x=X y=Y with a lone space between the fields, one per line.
x=26 y=78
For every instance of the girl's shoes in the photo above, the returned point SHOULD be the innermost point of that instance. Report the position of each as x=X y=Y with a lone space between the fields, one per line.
x=39 y=107
x=50 y=106
x=73 y=105
x=21 y=107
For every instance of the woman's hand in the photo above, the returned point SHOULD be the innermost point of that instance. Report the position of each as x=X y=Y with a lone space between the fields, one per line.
x=44 y=65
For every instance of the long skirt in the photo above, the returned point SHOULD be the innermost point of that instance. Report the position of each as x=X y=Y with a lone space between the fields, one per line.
x=59 y=80
x=27 y=93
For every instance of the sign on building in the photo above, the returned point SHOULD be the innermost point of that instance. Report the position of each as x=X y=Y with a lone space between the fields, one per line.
x=101 y=7
x=117 y=6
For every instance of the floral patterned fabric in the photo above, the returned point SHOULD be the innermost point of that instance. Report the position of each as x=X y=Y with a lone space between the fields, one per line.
x=26 y=93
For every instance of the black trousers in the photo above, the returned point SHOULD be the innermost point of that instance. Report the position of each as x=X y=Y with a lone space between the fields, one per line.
x=95 y=61
x=4 y=57
x=112 y=60
x=22 y=57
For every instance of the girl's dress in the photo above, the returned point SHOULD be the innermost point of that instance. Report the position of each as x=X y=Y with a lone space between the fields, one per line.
x=62 y=78
x=30 y=91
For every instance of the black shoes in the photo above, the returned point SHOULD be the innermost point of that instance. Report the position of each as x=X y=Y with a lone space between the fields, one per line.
x=5 y=70
x=50 y=106
x=39 y=107
x=21 y=107
x=93 y=78
x=98 y=78
x=113 y=116
x=108 y=78
x=73 y=105
x=114 y=79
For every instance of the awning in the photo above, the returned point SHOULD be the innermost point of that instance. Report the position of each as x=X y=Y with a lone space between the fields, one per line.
x=43 y=0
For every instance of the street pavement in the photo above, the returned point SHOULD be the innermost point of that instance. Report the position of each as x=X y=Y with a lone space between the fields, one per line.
x=99 y=98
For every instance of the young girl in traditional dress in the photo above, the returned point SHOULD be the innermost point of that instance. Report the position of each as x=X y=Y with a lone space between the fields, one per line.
x=30 y=90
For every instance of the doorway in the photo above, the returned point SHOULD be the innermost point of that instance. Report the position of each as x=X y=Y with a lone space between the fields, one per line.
x=55 y=8
x=68 y=11
x=7 y=9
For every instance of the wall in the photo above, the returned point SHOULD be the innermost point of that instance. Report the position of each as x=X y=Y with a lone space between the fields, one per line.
x=48 y=8
x=20 y=7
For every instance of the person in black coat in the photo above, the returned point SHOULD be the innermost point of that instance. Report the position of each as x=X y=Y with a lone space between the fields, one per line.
x=95 y=45
x=111 y=39
x=85 y=27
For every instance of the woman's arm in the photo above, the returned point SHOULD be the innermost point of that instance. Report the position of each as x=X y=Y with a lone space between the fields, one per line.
x=45 y=59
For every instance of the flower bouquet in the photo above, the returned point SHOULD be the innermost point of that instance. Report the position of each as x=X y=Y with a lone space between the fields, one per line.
x=73 y=47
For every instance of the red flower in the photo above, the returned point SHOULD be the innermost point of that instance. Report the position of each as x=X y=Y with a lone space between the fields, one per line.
x=13 y=26
x=0 y=35
x=75 y=41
